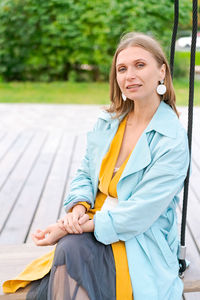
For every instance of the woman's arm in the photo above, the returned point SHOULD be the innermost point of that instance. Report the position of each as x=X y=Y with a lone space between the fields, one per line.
x=53 y=233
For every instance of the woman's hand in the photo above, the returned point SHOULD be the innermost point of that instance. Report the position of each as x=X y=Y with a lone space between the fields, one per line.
x=72 y=221
x=49 y=236
x=53 y=233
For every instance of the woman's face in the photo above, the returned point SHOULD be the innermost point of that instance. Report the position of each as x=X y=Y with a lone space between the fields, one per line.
x=138 y=74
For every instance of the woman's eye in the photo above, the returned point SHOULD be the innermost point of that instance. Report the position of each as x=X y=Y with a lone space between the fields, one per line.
x=121 y=69
x=140 y=65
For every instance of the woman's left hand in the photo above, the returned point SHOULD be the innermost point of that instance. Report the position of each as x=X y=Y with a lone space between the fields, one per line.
x=72 y=221
x=49 y=236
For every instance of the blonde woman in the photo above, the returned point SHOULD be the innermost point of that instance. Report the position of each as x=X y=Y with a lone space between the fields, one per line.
x=118 y=239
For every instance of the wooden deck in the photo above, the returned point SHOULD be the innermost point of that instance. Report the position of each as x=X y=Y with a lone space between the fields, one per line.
x=41 y=147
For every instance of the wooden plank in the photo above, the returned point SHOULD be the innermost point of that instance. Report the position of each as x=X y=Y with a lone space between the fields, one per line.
x=192 y=254
x=72 y=118
x=79 y=151
x=19 y=295
x=195 y=153
x=12 y=158
x=2 y=136
x=196 y=132
x=191 y=286
x=8 y=142
x=13 y=259
x=13 y=187
x=193 y=221
x=21 y=217
x=193 y=208
x=192 y=296
x=52 y=198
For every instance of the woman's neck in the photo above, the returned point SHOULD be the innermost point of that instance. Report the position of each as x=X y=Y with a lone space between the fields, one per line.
x=142 y=113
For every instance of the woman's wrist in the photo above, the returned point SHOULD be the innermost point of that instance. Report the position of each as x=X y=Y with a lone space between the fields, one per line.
x=88 y=226
x=79 y=206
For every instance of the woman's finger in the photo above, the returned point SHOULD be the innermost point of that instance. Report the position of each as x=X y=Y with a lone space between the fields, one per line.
x=66 y=223
x=39 y=234
x=76 y=225
x=71 y=222
x=83 y=219
x=39 y=242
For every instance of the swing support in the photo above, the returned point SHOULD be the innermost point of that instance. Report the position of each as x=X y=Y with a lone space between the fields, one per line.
x=182 y=249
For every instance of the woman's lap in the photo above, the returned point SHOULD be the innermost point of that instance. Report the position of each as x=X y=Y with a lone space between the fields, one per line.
x=89 y=263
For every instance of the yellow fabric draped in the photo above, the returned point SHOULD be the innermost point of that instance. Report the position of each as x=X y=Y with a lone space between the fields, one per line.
x=107 y=186
x=34 y=271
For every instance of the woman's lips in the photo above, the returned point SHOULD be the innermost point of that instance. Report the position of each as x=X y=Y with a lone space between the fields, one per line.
x=133 y=86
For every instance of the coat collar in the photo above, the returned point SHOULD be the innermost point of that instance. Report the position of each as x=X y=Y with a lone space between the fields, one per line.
x=163 y=121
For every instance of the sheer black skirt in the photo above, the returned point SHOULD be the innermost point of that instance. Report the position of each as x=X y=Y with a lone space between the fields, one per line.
x=83 y=269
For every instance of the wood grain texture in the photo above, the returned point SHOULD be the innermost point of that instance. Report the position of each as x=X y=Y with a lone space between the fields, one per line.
x=192 y=296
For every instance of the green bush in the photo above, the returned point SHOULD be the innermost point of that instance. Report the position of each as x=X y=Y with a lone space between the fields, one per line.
x=50 y=40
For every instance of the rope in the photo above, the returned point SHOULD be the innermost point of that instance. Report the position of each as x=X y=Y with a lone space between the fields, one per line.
x=189 y=130
x=174 y=33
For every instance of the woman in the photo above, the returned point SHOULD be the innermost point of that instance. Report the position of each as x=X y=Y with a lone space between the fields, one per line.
x=119 y=237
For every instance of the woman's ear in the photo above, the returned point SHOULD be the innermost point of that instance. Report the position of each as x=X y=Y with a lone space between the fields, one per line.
x=163 y=71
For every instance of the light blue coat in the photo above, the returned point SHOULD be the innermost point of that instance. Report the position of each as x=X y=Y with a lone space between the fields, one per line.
x=148 y=189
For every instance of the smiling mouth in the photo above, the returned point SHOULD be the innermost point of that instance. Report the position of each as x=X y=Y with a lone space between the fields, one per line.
x=133 y=86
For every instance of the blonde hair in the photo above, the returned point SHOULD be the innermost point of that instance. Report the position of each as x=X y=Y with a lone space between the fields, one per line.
x=118 y=106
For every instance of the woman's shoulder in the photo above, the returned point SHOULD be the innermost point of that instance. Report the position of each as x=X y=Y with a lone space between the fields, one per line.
x=106 y=119
x=105 y=115
x=166 y=122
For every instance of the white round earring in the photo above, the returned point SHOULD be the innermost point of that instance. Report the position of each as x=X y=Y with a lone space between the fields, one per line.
x=123 y=97
x=161 y=88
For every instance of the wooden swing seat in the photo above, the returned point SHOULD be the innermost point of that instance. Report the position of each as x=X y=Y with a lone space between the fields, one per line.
x=14 y=258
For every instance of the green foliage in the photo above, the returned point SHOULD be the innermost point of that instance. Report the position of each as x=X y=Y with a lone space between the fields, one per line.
x=51 y=40
x=182 y=63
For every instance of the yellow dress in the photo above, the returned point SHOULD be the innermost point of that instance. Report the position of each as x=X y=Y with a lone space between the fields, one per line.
x=107 y=186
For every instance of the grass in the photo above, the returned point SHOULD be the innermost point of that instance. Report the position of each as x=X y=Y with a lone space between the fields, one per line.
x=185 y=56
x=181 y=87
x=76 y=93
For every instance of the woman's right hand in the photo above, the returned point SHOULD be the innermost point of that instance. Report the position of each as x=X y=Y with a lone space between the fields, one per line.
x=72 y=221
x=50 y=236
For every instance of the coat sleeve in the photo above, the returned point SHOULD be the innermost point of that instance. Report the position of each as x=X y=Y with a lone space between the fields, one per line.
x=151 y=197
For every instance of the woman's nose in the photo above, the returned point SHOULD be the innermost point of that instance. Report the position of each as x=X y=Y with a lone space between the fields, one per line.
x=130 y=74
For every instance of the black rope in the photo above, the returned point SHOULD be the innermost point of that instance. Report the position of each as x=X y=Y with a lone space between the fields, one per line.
x=189 y=131
x=174 y=33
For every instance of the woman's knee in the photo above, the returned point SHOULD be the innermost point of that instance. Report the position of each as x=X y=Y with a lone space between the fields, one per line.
x=70 y=248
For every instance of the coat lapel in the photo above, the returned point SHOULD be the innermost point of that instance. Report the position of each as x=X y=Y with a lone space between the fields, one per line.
x=139 y=159
x=141 y=155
